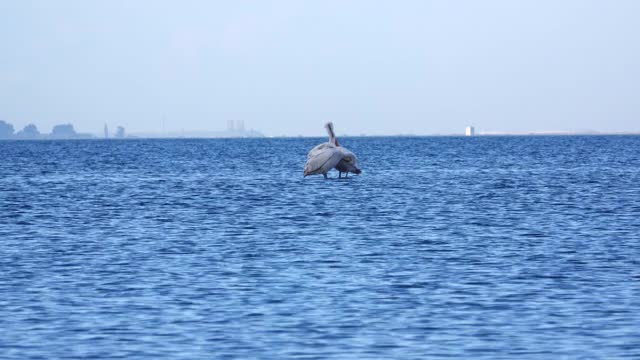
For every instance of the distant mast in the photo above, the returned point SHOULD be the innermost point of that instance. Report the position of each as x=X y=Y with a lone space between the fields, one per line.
x=470 y=131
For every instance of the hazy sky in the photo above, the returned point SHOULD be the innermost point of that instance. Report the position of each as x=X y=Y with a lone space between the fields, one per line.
x=285 y=67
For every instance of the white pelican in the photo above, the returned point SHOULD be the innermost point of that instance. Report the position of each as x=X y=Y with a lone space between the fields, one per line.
x=329 y=155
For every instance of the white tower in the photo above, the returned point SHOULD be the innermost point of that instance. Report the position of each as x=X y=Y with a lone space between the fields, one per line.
x=119 y=132
x=470 y=131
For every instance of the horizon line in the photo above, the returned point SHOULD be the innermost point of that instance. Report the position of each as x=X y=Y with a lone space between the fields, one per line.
x=134 y=137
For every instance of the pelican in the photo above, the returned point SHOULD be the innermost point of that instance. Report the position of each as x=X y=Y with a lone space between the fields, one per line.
x=329 y=155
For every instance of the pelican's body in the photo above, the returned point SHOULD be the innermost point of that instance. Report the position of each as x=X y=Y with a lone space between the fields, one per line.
x=326 y=156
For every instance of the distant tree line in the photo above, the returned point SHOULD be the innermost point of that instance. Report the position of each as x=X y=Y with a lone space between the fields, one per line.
x=62 y=131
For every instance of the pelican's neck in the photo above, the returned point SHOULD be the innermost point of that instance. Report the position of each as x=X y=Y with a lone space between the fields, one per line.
x=332 y=135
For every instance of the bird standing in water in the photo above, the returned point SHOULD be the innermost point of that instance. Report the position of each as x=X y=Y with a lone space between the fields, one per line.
x=329 y=155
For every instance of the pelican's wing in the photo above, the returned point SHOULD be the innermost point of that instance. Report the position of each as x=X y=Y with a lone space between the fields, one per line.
x=318 y=149
x=354 y=159
x=346 y=152
x=322 y=161
x=350 y=156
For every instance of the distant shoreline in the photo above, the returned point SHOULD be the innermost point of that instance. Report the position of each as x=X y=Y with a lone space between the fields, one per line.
x=132 y=137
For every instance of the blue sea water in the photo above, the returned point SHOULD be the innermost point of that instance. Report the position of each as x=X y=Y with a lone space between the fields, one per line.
x=445 y=247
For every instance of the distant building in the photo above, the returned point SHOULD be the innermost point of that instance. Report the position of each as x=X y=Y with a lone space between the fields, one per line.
x=240 y=126
x=106 y=131
x=119 y=132
x=470 y=131
x=230 y=125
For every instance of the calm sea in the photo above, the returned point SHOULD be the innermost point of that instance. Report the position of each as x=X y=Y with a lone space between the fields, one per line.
x=474 y=248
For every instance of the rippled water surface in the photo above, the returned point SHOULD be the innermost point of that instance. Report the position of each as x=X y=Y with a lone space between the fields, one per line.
x=487 y=247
